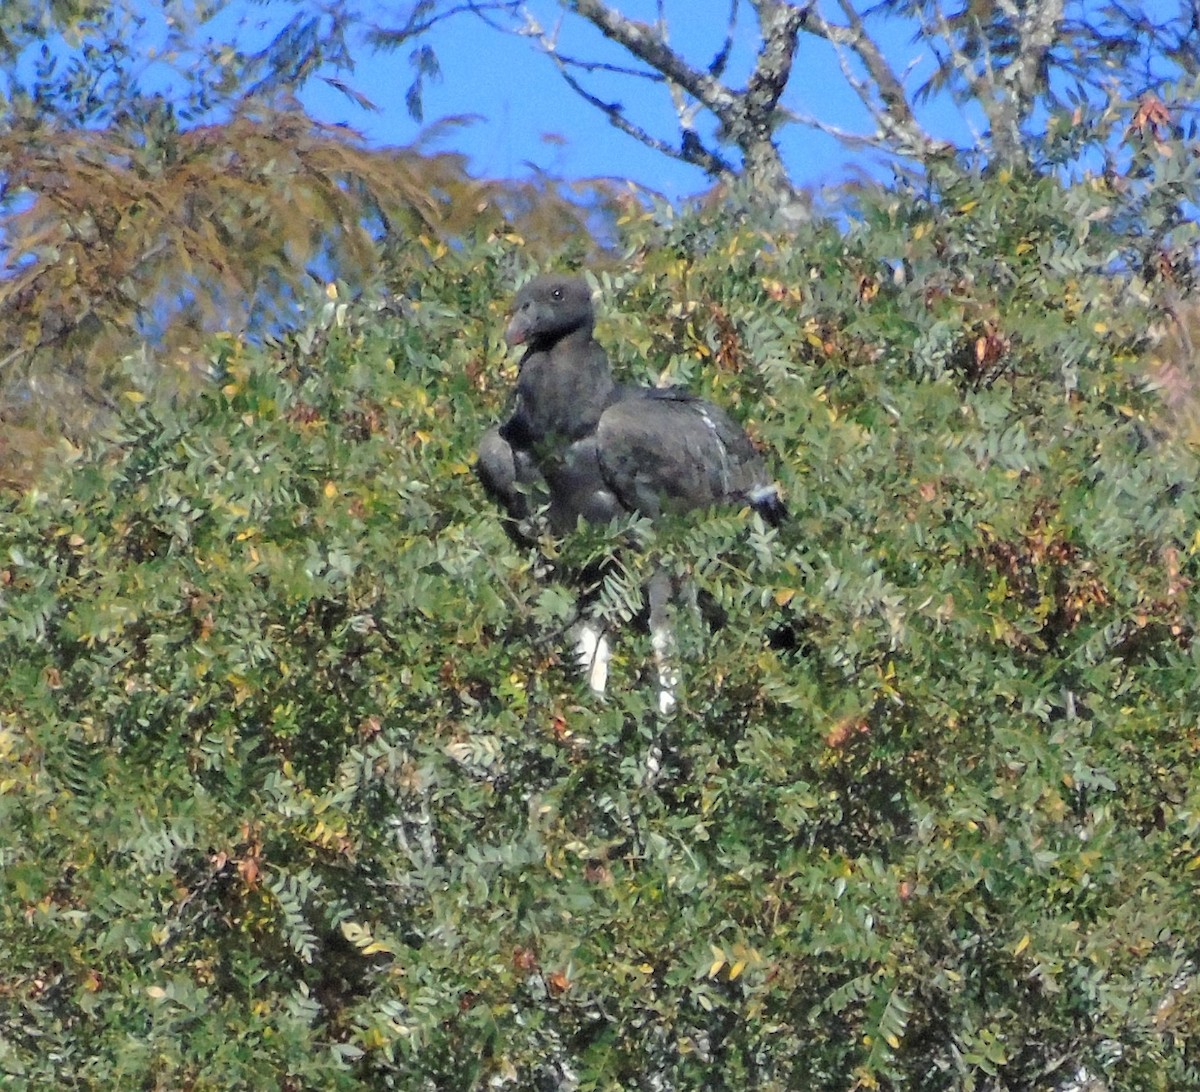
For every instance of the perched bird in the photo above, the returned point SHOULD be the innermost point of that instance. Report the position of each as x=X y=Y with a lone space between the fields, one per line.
x=592 y=448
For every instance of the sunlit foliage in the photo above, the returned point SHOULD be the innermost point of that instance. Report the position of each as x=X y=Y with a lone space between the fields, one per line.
x=299 y=788
x=145 y=206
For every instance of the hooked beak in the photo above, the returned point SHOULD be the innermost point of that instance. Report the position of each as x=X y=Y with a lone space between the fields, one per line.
x=518 y=330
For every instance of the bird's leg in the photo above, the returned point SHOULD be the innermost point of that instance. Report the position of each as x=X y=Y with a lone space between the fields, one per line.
x=592 y=653
x=662 y=639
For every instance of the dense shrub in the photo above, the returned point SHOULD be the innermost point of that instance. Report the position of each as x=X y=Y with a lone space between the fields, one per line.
x=299 y=789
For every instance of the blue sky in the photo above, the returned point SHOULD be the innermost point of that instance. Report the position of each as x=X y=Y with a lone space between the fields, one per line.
x=526 y=115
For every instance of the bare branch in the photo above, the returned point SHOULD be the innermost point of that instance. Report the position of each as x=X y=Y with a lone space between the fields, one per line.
x=982 y=86
x=612 y=69
x=883 y=94
x=844 y=136
x=716 y=67
x=420 y=20
x=1038 y=30
x=690 y=148
x=780 y=23
x=1008 y=93
x=642 y=41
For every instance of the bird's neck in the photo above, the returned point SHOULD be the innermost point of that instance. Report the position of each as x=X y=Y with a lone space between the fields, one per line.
x=575 y=343
x=566 y=387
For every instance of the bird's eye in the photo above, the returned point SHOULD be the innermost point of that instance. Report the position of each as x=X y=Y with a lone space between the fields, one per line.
x=556 y=294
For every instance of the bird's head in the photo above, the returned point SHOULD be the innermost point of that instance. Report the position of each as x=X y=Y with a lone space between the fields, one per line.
x=548 y=309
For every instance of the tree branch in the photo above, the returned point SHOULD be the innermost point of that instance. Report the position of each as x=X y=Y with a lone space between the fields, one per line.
x=716 y=67
x=780 y=23
x=1038 y=30
x=884 y=96
x=690 y=148
x=423 y=18
x=642 y=41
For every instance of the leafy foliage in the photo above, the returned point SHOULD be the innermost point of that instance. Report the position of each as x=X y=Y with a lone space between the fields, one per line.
x=142 y=210
x=300 y=789
x=140 y=241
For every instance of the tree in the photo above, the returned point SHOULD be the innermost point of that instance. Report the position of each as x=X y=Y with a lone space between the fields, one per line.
x=296 y=790
x=136 y=223
x=1027 y=70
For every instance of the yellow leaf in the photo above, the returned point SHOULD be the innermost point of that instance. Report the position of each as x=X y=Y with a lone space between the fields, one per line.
x=330 y=489
x=136 y=397
x=331 y=291
x=783 y=596
x=737 y=969
x=355 y=933
x=360 y=937
x=1022 y=944
x=718 y=961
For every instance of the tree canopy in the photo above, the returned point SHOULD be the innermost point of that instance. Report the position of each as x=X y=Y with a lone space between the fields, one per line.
x=144 y=207
x=298 y=788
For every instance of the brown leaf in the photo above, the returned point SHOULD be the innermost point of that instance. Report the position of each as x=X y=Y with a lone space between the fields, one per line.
x=598 y=872
x=248 y=867
x=525 y=960
x=844 y=730
x=1151 y=115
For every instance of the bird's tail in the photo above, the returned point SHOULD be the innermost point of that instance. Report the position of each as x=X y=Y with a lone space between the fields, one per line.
x=767 y=502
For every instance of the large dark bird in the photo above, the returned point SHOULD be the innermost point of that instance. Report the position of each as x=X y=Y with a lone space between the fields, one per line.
x=586 y=446
x=606 y=449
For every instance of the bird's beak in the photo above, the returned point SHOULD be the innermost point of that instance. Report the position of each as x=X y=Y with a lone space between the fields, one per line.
x=518 y=330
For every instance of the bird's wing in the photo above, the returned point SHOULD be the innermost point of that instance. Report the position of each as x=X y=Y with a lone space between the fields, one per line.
x=512 y=479
x=665 y=450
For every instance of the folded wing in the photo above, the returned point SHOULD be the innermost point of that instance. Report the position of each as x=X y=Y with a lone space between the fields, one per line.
x=664 y=450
